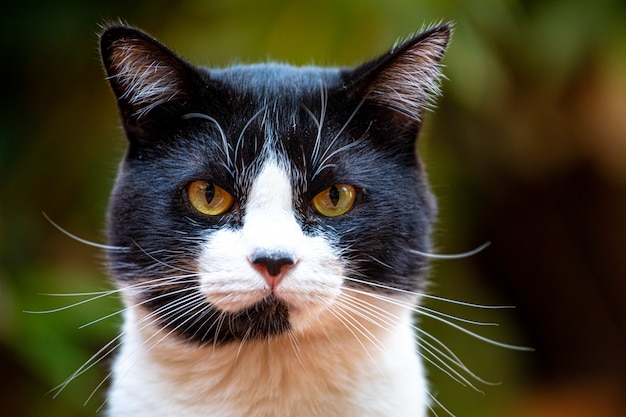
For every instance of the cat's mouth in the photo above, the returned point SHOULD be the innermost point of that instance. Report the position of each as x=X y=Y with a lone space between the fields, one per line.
x=267 y=317
x=207 y=323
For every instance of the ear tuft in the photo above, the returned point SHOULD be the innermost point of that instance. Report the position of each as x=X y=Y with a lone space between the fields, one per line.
x=143 y=73
x=408 y=78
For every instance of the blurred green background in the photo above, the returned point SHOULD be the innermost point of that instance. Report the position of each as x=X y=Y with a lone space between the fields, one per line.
x=527 y=150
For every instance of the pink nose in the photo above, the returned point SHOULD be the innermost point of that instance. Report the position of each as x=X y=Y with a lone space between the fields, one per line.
x=272 y=265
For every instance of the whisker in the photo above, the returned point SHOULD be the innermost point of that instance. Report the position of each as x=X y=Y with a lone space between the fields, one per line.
x=101 y=294
x=428 y=347
x=216 y=312
x=107 y=349
x=320 y=122
x=439 y=355
x=443 y=320
x=225 y=144
x=432 y=397
x=158 y=261
x=345 y=125
x=348 y=325
x=89 y=363
x=76 y=294
x=465 y=303
x=383 y=318
x=456 y=318
x=350 y=307
x=240 y=139
x=295 y=346
x=147 y=321
x=76 y=304
x=108 y=316
x=476 y=335
x=435 y=352
x=447 y=353
x=320 y=165
x=81 y=240
x=323 y=165
x=444 y=367
x=425 y=295
x=461 y=255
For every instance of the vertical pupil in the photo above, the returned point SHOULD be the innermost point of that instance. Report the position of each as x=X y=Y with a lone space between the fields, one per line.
x=209 y=192
x=334 y=195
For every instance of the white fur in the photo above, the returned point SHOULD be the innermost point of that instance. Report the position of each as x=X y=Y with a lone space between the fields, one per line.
x=350 y=354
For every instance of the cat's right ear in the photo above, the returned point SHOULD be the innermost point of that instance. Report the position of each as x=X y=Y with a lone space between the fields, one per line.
x=401 y=84
x=144 y=75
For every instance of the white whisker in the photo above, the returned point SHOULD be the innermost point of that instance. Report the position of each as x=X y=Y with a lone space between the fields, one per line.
x=349 y=325
x=159 y=262
x=461 y=255
x=76 y=304
x=432 y=397
x=320 y=163
x=90 y=363
x=420 y=308
x=226 y=146
x=444 y=367
x=425 y=295
x=435 y=352
x=320 y=122
x=448 y=354
x=81 y=240
x=107 y=349
x=243 y=131
x=146 y=321
x=295 y=346
x=108 y=316
x=476 y=335
x=103 y=294
x=437 y=316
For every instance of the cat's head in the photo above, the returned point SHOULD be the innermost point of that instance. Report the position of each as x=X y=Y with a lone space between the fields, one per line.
x=254 y=200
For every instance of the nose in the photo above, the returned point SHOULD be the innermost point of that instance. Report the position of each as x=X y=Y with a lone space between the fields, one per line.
x=272 y=265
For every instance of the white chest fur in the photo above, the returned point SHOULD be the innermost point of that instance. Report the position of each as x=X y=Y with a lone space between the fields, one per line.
x=333 y=371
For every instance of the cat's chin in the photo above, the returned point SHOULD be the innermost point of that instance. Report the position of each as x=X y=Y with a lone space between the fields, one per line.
x=267 y=317
x=262 y=313
x=272 y=312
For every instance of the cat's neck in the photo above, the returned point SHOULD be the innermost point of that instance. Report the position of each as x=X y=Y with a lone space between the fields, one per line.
x=359 y=370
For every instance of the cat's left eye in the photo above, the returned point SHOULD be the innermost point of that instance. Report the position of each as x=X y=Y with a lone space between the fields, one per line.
x=334 y=201
x=209 y=198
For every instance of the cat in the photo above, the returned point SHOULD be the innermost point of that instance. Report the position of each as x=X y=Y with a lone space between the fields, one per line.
x=269 y=230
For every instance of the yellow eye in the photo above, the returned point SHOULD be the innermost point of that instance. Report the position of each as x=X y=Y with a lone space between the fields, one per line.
x=334 y=201
x=209 y=198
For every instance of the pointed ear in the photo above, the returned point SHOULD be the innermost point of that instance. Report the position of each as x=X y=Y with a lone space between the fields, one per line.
x=144 y=74
x=406 y=79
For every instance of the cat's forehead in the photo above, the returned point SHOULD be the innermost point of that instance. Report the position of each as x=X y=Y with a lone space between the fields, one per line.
x=274 y=81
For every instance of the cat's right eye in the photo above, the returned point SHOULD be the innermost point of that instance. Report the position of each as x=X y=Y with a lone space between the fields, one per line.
x=209 y=198
x=335 y=201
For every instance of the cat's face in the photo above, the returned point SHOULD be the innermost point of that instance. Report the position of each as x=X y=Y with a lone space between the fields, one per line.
x=256 y=200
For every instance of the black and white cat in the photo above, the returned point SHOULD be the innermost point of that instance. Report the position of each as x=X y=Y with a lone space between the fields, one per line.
x=269 y=229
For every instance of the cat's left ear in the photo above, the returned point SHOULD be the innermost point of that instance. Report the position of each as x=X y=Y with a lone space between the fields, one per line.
x=145 y=75
x=403 y=83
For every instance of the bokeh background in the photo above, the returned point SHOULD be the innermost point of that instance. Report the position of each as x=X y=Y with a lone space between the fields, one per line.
x=527 y=150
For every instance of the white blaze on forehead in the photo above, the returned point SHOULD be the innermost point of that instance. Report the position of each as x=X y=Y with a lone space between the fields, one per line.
x=269 y=220
x=272 y=188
